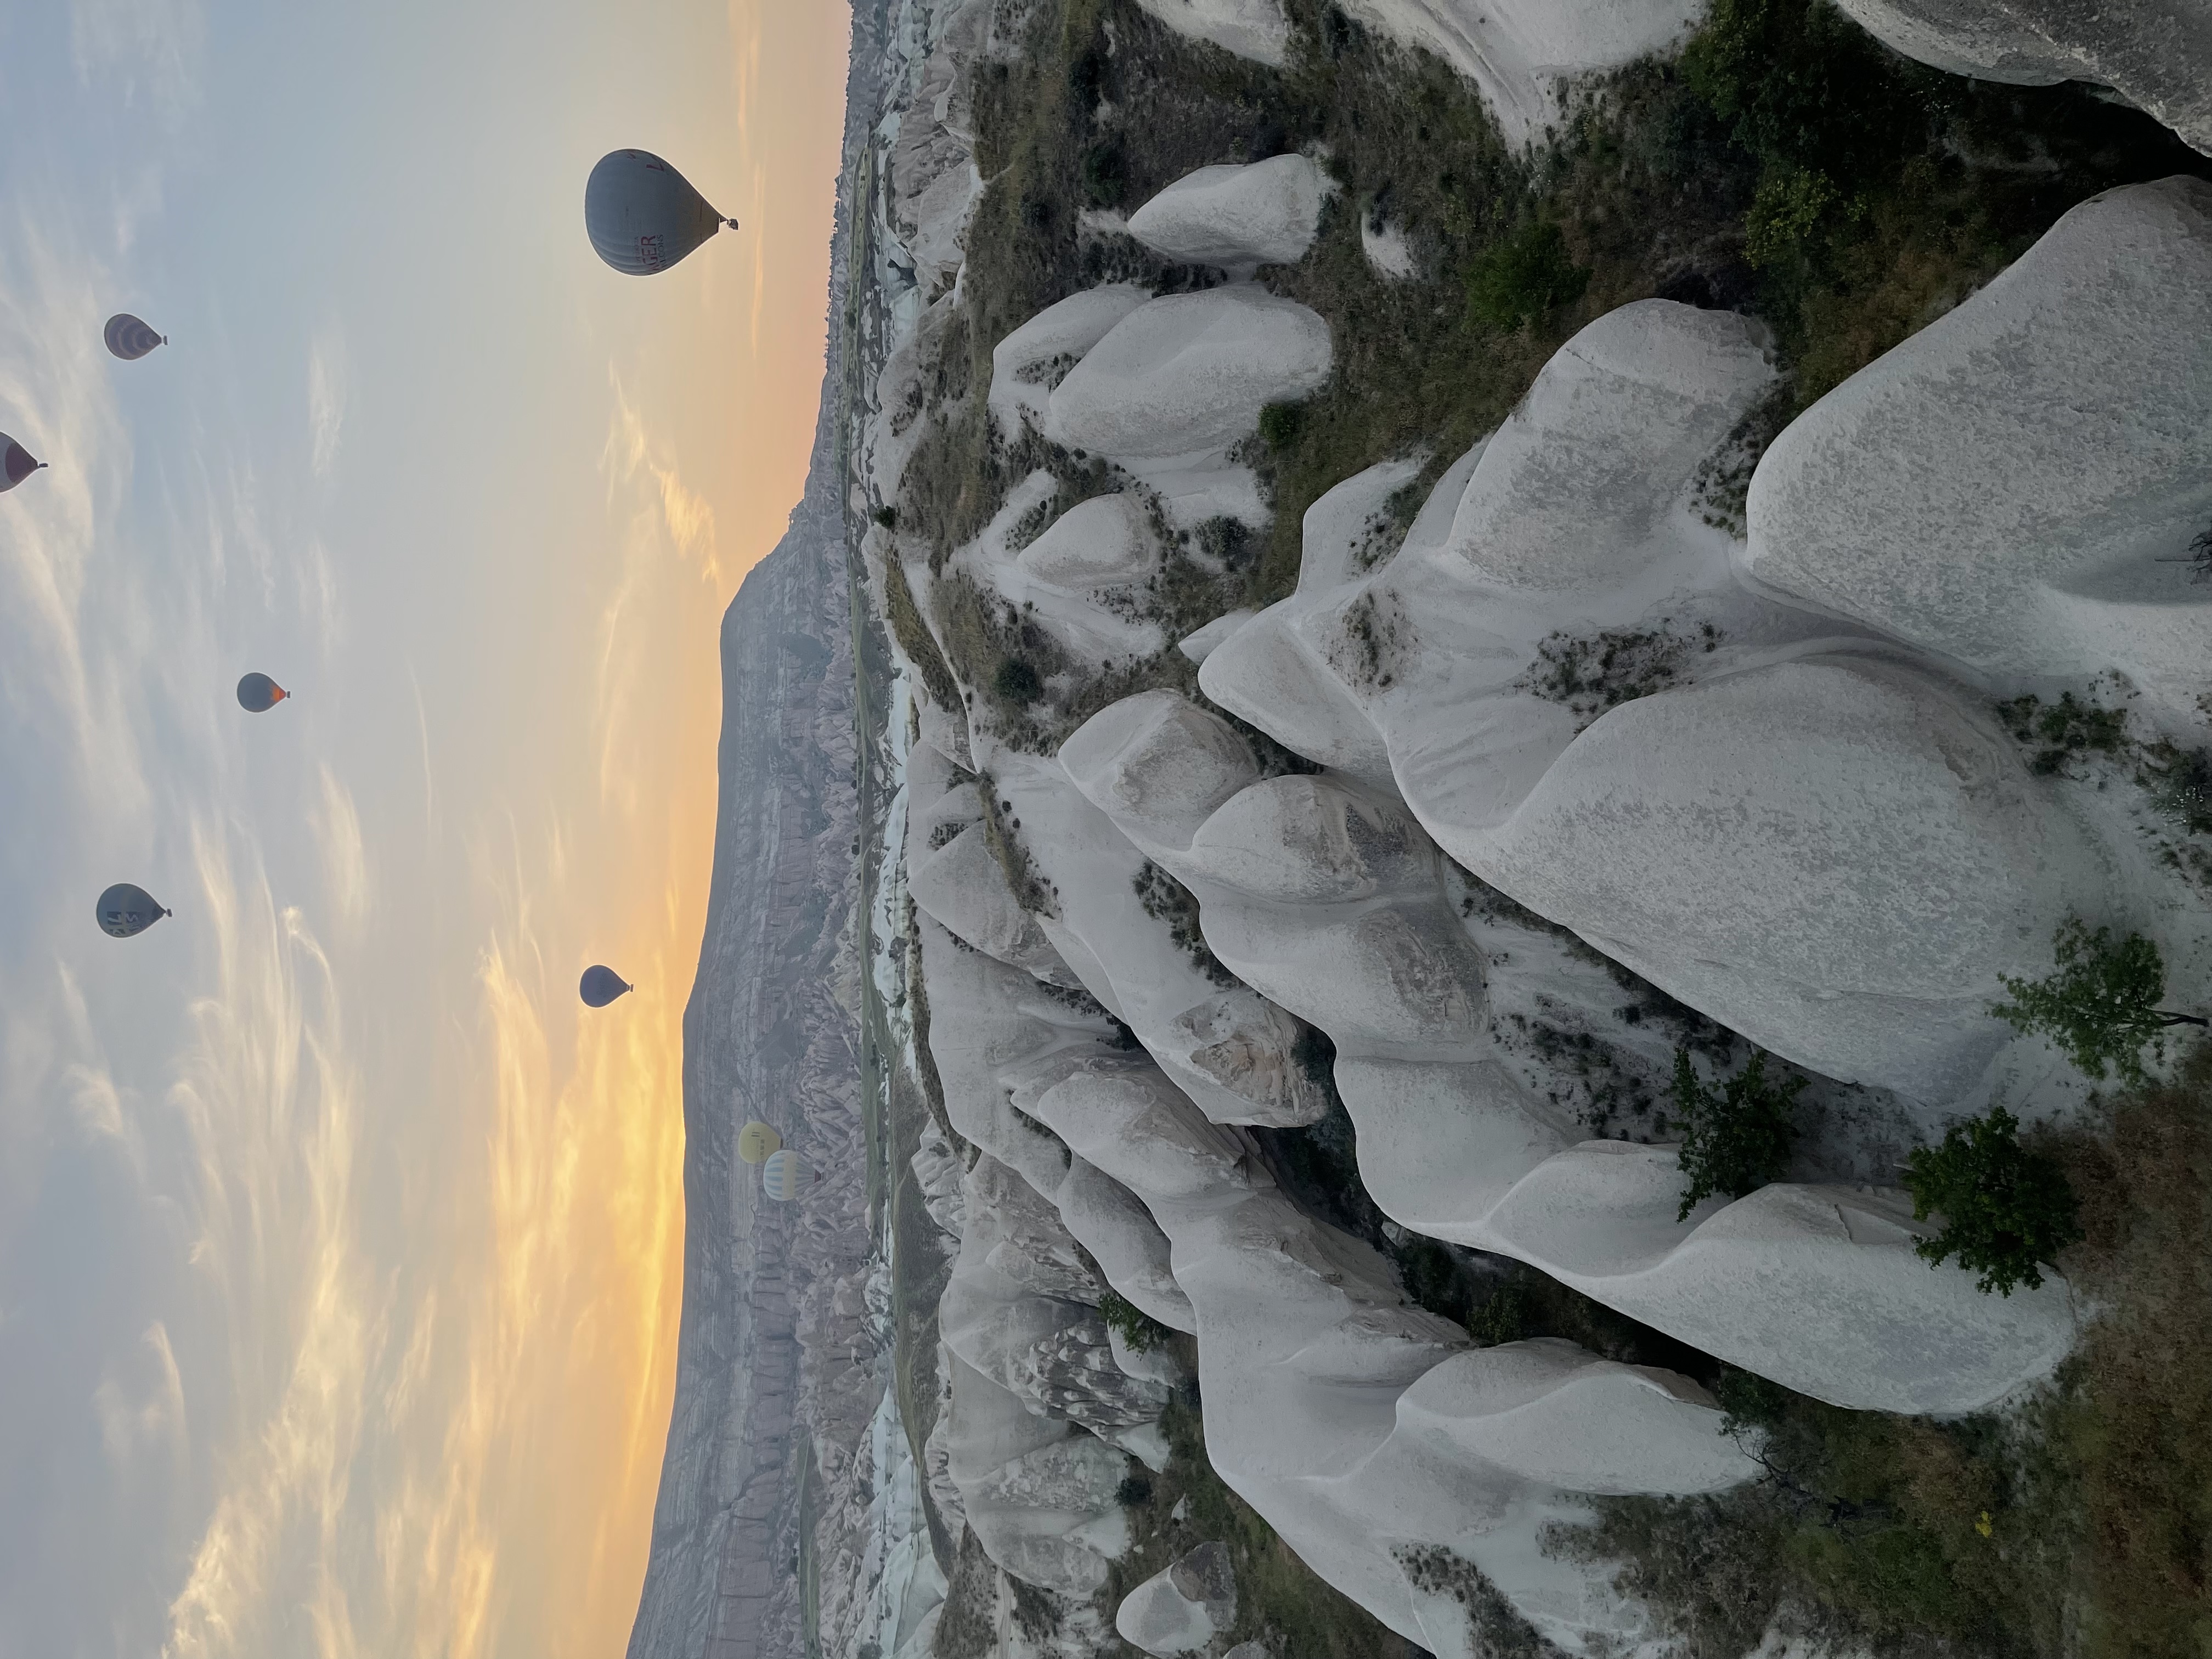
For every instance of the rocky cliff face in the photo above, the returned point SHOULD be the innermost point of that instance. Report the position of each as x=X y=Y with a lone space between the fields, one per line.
x=772 y=1303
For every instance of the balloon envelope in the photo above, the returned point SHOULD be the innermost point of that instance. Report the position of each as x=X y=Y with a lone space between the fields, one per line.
x=129 y=338
x=780 y=1175
x=600 y=986
x=127 y=910
x=258 y=694
x=16 y=463
x=643 y=214
x=756 y=1141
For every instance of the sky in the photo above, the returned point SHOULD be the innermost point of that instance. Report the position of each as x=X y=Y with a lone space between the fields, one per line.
x=340 y=1247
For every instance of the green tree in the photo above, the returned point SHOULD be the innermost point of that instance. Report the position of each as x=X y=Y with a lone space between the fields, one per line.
x=2100 y=1008
x=1735 y=1138
x=1140 y=1332
x=2005 y=1209
x=1525 y=275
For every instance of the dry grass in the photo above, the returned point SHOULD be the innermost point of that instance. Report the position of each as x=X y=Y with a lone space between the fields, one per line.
x=2080 y=1528
x=1279 y=1600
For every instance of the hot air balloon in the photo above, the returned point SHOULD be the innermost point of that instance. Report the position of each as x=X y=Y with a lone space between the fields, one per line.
x=756 y=1141
x=125 y=911
x=258 y=694
x=780 y=1175
x=129 y=338
x=643 y=214
x=600 y=986
x=16 y=463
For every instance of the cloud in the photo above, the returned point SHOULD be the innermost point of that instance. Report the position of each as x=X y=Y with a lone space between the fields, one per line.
x=326 y=399
x=151 y=51
x=272 y=1101
x=336 y=828
x=685 y=514
x=146 y=1411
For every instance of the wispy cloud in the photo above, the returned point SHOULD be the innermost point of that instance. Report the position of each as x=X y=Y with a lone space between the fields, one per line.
x=336 y=827
x=271 y=1100
x=153 y=50
x=326 y=399
x=140 y=1404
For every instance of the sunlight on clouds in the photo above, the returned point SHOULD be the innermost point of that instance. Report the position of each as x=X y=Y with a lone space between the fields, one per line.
x=336 y=827
x=270 y=1100
x=148 y=1415
x=685 y=514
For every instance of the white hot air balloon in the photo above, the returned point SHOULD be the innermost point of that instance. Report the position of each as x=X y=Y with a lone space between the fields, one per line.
x=780 y=1175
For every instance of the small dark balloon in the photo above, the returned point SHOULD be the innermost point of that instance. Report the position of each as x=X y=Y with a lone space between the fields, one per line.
x=127 y=910
x=129 y=338
x=16 y=463
x=258 y=694
x=600 y=986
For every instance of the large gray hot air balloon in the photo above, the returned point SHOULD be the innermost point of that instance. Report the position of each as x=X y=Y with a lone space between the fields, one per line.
x=16 y=463
x=127 y=910
x=642 y=213
x=258 y=694
x=130 y=338
x=600 y=986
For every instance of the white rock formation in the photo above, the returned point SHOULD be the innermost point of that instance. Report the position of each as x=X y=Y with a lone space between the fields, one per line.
x=1364 y=1430
x=1174 y=386
x=1239 y=218
x=934 y=184
x=1574 y=572
x=1021 y=1307
x=952 y=877
x=1305 y=1348
x=1230 y=1048
x=1888 y=862
x=1387 y=247
x=1331 y=904
x=1199 y=642
x=1037 y=1491
x=1251 y=28
x=2052 y=437
x=1519 y=52
x=1184 y=1606
x=1105 y=542
x=1190 y=373
x=1036 y=357
x=2157 y=54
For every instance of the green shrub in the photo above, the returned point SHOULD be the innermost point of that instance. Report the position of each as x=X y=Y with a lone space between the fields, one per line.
x=1524 y=277
x=2005 y=1209
x=1106 y=174
x=1017 y=682
x=886 y=516
x=1140 y=1332
x=1748 y=1401
x=1800 y=85
x=1136 y=1488
x=2065 y=728
x=1736 y=1138
x=1790 y=205
x=2181 y=786
x=1280 y=425
x=2101 y=1009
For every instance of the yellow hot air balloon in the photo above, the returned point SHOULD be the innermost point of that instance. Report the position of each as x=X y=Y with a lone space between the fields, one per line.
x=756 y=1141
